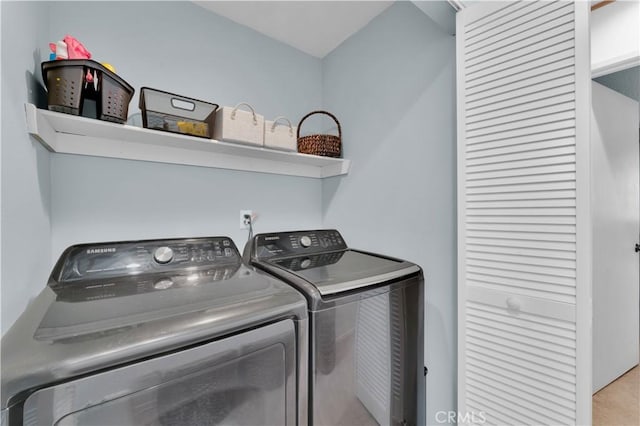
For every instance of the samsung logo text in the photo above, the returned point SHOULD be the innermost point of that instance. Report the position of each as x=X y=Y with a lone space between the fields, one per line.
x=101 y=250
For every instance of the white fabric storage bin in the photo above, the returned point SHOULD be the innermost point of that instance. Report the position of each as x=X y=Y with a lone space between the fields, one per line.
x=235 y=125
x=282 y=136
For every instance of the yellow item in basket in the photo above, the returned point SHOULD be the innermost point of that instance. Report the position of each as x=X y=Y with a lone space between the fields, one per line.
x=109 y=67
x=190 y=128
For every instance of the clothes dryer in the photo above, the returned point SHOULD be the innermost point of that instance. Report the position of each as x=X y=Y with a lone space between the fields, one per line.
x=161 y=332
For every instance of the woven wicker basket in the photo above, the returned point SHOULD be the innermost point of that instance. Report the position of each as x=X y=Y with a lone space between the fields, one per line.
x=325 y=145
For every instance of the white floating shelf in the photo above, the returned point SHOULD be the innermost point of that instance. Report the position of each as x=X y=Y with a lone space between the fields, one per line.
x=70 y=134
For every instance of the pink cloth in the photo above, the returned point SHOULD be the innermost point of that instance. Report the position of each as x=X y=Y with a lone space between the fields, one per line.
x=75 y=49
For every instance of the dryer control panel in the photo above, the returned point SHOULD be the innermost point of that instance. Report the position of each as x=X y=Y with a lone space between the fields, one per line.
x=125 y=259
x=285 y=244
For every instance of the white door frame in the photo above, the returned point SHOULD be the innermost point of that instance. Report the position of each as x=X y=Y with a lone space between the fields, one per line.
x=584 y=257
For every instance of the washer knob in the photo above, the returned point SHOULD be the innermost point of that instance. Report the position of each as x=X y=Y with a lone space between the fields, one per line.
x=163 y=255
x=305 y=241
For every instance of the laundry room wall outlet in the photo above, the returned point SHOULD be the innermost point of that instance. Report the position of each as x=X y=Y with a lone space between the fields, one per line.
x=245 y=217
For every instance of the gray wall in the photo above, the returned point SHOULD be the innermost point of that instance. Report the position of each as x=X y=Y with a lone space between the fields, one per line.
x=393 y=86
x=182 y=48
x=25 y=175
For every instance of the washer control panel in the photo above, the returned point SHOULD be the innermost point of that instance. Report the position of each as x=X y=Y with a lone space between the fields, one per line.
x=296 y=243
x=86 y=290
x=123 y=259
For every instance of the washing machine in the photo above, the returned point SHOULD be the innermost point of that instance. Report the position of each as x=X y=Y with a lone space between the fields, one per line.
x=162 y=332
x=366 y=343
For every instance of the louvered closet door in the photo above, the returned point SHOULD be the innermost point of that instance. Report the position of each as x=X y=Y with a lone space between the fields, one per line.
x=524 y=238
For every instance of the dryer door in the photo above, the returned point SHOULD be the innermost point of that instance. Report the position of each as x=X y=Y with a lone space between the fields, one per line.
x=246 y=379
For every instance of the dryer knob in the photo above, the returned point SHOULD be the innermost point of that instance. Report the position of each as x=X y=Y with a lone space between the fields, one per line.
x=163 y=255
x=305 y=241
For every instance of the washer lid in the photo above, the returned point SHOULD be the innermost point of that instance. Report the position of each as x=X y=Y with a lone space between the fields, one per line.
x=345 y=270
x=105 y=286
x=322 y=258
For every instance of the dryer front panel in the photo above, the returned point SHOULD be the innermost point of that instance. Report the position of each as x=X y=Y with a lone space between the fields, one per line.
x=246 y=379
